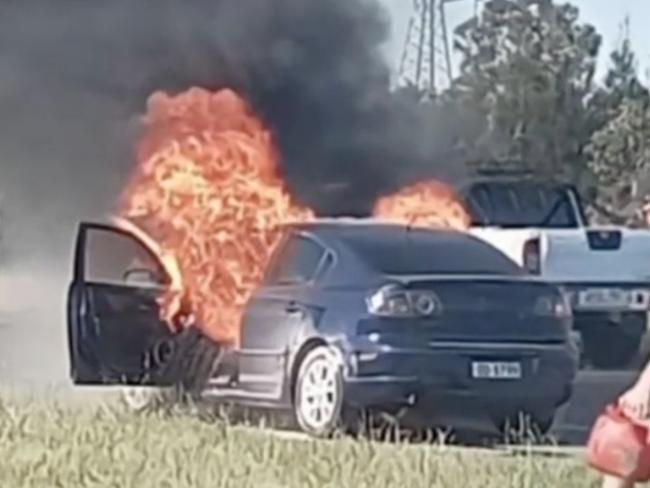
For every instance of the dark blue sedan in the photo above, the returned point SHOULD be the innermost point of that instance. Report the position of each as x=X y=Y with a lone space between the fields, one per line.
x=435 y=328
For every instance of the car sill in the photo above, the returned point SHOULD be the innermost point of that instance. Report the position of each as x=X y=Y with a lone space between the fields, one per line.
x=496 y=345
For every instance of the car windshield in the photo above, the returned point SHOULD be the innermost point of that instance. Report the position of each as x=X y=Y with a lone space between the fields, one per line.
x=521 y=205
x=408 y=252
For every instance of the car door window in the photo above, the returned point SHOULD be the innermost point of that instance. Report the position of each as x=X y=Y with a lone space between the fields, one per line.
x=296 y=262
x=117 y=258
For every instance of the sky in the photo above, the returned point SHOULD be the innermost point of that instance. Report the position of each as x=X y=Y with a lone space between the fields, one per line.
x=606 y=15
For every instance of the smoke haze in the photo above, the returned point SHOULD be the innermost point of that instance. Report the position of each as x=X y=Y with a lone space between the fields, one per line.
x=74 y=75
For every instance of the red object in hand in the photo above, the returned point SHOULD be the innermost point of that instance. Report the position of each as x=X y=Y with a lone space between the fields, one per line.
x=619 y=447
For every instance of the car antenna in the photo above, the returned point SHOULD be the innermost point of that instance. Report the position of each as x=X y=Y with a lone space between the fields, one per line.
x=409 y=226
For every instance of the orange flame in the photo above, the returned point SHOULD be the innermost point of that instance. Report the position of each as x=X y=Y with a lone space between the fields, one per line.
x=425 y=204
x=206 y=188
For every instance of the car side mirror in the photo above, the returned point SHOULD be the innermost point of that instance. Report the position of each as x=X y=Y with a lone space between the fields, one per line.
x=141 y=276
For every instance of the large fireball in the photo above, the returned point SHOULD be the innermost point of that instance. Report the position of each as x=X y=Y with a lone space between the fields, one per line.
x=207 y=189
x=426 y=204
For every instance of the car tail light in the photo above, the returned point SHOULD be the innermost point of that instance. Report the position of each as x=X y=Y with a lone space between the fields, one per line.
x=395 y=301
x=557 y=306
x=532 y=256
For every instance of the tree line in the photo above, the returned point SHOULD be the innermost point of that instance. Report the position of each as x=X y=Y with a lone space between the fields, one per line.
x=527 y=96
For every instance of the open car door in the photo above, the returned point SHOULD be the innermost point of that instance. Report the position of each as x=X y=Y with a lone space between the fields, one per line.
x=115 y=333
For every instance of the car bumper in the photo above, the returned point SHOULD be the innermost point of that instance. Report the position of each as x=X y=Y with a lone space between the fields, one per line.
x=436 y=386
x=637 y=298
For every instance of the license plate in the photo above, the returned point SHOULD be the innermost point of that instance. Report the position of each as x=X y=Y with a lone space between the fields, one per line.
x=496 y=370
x=604 y=298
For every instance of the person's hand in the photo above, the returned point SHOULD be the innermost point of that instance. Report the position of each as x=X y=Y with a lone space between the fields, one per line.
x=635 y=402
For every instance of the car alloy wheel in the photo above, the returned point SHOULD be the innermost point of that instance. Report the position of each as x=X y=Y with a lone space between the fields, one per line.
x=318 y=397
x=140 y=398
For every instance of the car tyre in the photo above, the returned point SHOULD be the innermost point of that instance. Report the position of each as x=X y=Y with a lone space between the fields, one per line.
x=318 y=393
x=142 y=398
x=527 y=427
x=194 y=361
x=609 y=347
x=544 y=423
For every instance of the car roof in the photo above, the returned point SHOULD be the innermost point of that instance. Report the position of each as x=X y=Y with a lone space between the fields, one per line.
x=397 y=249
x=371 y=228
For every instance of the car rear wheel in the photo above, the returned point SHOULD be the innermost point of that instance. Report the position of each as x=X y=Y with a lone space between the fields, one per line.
x=527 y=427
x=318 y=397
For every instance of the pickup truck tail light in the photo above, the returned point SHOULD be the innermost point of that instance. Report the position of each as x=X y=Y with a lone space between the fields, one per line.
x=395 y=301
x=532 y=256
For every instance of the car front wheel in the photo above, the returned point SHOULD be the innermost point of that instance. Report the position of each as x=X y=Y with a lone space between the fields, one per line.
x=141 y=398
x=318 y=398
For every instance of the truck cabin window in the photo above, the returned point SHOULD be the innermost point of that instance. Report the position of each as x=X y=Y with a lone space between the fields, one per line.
x=514 y=205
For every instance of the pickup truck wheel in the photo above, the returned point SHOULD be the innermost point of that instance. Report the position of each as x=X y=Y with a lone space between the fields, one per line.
x=612 y=346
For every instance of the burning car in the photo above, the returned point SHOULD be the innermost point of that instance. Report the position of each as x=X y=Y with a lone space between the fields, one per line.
x=436 y=327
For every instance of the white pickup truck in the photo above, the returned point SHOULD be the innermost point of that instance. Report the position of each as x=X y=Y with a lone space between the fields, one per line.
x=605 y=271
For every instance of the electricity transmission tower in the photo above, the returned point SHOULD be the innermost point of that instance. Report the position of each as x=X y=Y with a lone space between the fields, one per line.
x=426 y=58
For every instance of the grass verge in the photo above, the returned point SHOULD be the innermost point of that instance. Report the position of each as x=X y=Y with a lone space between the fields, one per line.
x=46 y=444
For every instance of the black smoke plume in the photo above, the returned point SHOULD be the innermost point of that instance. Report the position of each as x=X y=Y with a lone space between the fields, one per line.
x=74 y=75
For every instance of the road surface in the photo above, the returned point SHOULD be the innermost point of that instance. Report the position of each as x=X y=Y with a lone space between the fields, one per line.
x=593 y=391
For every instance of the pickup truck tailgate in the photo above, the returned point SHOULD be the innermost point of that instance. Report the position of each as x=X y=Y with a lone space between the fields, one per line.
x=598 y=255
x=584 y=255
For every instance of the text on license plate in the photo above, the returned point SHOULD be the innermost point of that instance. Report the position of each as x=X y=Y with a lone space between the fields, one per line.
x=604 y=298
x=496 y=370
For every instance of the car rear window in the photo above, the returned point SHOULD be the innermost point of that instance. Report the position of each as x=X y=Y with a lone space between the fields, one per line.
x=416 y=252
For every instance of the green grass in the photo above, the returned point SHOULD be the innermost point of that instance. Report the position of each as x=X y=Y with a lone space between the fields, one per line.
x=44 y=444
